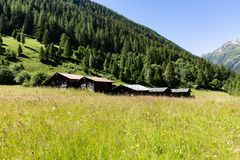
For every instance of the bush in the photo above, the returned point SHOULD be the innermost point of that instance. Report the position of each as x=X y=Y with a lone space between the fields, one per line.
x=23 y=78
x=38 y=79
x=16 y=68
x=216 y=84
x=6 y=76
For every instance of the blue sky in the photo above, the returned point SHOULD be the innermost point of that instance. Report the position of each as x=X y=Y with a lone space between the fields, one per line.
x=199 y=26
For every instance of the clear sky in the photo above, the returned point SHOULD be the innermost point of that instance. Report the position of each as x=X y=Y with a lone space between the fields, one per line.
x=199 y=26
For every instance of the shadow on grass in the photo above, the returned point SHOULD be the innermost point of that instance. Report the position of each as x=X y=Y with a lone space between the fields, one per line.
x=72 y=60
x=23 y=56
x=13 y=59
x=53 y=63
x=31 y=49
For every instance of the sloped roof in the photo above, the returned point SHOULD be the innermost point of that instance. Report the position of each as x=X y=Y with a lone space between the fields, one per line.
x=182 y=90
x=99 y=79
x=163 y=89
x=137 y=87
x=71 y=76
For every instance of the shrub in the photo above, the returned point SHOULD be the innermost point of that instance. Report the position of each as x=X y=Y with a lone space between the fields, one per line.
x=38 y=79
x=216 y=84
x=16 y=68
x=6 y=76
x=23 y=78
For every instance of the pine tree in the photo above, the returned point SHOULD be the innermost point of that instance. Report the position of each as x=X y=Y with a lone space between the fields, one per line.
x=1 y=49
x=169 y=75
x=46 y=38
x=14 y=34
x=63 y=39
x=201 y=81
x=122 y=61
x=148 y=74
x=19 y=50
x=151 y=55
x=86 y=64
x=157 y=77
x=52 y=52
x=22 y=38
x=91 y=59
x=126 y=47
x=42 y=55
x=28 y=25
x=59 y=52
x=105 y=64
x=18 y=37
x=115 y=68
x=80 y=53
x=67 y=50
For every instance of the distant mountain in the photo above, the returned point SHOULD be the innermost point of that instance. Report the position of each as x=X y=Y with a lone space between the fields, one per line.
x=228 y=55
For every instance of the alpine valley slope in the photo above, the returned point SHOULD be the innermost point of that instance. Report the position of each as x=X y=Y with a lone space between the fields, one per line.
x=227 y=55
x=83 y=37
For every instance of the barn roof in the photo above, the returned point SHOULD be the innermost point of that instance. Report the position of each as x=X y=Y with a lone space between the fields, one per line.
x=182 y=90
x=71 y=76
x=99 y=79
x=154 y=90
x=137 y=87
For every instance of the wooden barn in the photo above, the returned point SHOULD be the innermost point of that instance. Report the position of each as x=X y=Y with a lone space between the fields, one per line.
x=97 y=84
x=131 y=90
x=184 y=92
x=64 y=80
x=163 y=91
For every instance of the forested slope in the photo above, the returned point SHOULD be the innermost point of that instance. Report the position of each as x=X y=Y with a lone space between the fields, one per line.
x=98 y=39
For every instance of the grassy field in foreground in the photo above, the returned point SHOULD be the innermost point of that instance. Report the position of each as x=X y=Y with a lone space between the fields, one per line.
x=39 y=123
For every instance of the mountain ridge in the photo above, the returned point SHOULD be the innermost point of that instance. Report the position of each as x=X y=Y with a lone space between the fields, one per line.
x=228 y=55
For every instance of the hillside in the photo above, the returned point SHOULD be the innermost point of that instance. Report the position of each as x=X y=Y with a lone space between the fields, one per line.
x=82 y=36
x=227 y=55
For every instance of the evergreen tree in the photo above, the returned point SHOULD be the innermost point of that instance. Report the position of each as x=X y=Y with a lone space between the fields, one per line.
x=1 y=40
x=151 y=55
x=91 y=59
x=126 y=47
x=115 y=69
x=169 y=75
x=18 y=37
x=122 y=61
x=22 y=38
x=63 y=39
x=1 y=49
x=86 y=64
x=42 y=55
x=59 y=52
x=80 y=53
x=14 y=34
x=46 y=38
x=157 y=77
x=67 y=50
x=28 y=25
x=19 y=50
x=52 y=52
x=201 y=81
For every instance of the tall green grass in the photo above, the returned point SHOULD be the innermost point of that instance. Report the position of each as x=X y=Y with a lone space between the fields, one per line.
x=38 y=123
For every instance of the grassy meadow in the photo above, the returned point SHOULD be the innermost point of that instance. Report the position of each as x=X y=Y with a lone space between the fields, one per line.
x=32 y=64
x=31 y=61
x=41 y=123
